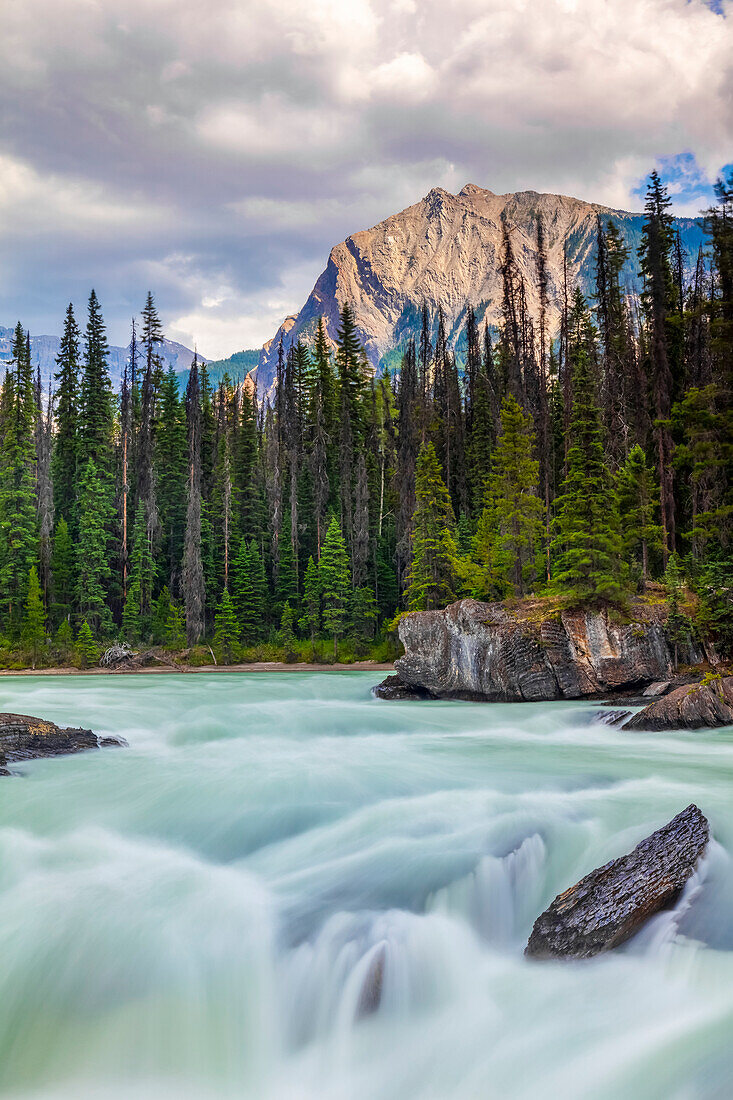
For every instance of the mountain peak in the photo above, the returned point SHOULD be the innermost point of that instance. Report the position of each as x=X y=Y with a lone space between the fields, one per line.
x=446 y=251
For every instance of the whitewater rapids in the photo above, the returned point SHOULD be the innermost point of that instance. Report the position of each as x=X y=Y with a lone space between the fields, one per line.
x=202 y=915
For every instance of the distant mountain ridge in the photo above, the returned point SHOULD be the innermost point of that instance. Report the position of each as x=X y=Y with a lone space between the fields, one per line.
x=44 y=350
x=446 y=250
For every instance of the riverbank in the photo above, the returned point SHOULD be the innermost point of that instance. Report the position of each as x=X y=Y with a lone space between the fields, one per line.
x=258 y=666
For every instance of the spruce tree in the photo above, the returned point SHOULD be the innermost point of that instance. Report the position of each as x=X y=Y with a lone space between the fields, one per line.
x=86 y=650
x=96 y=419
x=193 y=573
x=363 y=613
x=142 y=570
x=34 y=620
x=18 y=525
x=286 y=634
x=92 y=559
x=657 y=299
x=310 y=621
x=226 y=633
x=175 y=630
x=66 y=439
x=335 y=583
x=588 y=540
x=64 y=642
x=62 y=572
x=171 y=465
x=638 y=499
x=432 y=576
x=516 y=511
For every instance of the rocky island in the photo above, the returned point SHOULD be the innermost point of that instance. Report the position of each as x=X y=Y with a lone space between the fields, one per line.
x=487 y=651
x=23 y=737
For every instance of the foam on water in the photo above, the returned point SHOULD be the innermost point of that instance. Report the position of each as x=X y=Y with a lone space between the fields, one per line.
x=286 y=889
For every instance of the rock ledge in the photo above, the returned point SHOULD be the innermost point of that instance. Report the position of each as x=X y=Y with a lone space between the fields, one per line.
x=23 y=737
x=700 y=706
x=475 y=650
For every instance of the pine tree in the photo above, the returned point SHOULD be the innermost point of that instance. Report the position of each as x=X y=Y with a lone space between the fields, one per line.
x=226 y=634
x=588 y=541
x=87 y=650
x=66 y=440
x=638 y=502
x=92 y=559
x=34 y=621
x=432 y=576
x=335 y=583
x=516 y=512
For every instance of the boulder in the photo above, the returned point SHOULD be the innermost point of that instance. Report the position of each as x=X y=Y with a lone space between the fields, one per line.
x=393 y=688
x=661 y=687
x=475 y=650
x=25 y=738
x=613 y=902
x=691 y=707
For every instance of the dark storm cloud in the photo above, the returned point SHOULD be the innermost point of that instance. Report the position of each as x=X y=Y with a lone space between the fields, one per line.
x=214 y=151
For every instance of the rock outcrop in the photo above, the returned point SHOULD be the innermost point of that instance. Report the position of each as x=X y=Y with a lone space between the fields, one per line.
x=612 y=903
x=474 y=650
x=25 y=738
x=691 y=707
x=446 y=251
x=396 y=690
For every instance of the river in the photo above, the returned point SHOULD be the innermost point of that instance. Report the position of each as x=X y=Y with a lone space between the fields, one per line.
x=202 y=915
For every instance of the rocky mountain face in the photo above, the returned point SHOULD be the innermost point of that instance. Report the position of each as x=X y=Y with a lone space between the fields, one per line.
x=44 y=350
x=446 y=250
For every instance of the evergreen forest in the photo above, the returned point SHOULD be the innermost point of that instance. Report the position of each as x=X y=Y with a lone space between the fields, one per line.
x=586 y=467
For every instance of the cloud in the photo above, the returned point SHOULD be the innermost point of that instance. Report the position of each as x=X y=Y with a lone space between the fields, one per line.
x=215 y=151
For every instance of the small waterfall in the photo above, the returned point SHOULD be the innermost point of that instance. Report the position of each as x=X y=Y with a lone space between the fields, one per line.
x=501 y=897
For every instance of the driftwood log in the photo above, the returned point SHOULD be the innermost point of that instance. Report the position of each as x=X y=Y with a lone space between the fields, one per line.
x=612 y=903
x=25 y=738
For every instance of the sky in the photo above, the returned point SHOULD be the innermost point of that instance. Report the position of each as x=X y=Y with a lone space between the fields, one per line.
x=214 y=150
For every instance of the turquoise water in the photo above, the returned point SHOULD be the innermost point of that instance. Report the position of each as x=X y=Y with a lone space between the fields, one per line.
x=198 y=915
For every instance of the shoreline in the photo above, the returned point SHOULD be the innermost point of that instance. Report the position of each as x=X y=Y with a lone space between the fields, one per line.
x=257 y=666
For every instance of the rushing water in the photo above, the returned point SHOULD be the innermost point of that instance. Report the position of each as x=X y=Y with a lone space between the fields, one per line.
x=207 y=913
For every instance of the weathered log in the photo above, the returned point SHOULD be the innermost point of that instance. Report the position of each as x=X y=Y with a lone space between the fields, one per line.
x=700 y=706
x=117 y=654
x=23 y=737
x=612 y=903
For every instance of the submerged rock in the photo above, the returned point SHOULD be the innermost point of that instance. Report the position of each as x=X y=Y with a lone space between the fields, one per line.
x=395 y=689
x=612 y=903
x=25 y=738
x=476 y=650
x=371 y=991
x=699 y=706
